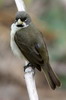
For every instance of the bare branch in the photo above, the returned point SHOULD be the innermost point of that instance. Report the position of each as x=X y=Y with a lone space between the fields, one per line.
x=20 y=5
x=30 y=82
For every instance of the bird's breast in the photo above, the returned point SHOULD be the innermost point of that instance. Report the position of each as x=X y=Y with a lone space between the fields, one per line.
x=14 y=46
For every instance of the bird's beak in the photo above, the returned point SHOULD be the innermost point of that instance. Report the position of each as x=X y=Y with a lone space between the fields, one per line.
x=19 y=22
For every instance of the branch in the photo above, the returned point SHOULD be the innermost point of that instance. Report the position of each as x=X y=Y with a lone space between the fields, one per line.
x=30 y=82
x=20 y=5
x=29 y=72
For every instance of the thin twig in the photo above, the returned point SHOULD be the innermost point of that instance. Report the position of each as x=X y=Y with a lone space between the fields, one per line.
x=29 y=72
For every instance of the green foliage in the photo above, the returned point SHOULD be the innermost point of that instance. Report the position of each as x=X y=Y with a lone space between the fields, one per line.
x=55 y=19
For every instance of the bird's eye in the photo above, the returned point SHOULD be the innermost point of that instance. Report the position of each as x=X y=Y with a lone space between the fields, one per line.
x=23 y=19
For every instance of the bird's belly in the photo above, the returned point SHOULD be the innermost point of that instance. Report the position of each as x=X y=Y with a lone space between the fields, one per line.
x=16 y=50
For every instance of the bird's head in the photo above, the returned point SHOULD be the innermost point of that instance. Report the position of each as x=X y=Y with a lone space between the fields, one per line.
x=22 y=19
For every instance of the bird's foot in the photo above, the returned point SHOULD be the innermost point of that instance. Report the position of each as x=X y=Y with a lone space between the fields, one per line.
x=28 y=65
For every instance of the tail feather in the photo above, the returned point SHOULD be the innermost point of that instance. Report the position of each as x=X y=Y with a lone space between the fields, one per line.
x=51 y=77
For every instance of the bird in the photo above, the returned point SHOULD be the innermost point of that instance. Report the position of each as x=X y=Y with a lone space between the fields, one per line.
x=28 y=42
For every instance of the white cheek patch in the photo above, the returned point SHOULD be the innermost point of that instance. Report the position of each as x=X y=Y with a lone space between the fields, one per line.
x=15 y=28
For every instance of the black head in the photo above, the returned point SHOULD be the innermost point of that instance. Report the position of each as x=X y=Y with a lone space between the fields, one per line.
x=22 y=19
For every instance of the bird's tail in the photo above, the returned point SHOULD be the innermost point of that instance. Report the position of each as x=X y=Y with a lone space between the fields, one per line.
x=51 y=77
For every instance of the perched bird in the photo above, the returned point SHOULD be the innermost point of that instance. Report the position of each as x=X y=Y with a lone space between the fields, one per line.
x=27 y=42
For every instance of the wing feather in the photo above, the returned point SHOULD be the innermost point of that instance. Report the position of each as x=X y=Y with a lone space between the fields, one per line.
x=30 y=52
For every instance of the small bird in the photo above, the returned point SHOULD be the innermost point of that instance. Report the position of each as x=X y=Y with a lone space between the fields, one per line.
x=28 y=42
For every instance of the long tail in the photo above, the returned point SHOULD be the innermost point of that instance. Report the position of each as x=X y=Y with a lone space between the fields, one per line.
x=51 y=77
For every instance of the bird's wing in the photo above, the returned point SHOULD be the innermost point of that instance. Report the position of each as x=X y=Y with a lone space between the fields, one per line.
x=30 y=52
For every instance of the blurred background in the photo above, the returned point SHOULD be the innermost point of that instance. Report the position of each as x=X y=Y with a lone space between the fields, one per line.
x=50 y=18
